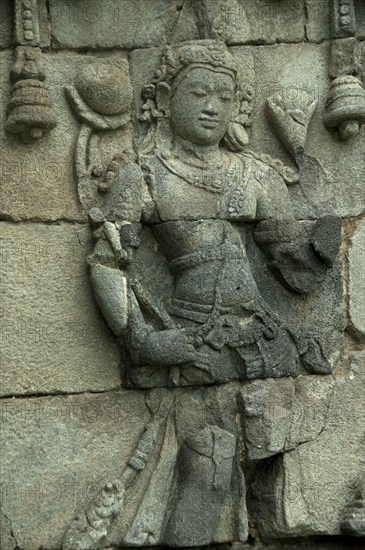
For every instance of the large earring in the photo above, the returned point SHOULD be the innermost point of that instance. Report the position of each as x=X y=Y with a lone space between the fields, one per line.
x=236 y=137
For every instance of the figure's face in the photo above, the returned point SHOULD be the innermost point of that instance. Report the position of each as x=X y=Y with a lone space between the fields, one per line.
x=201 y=106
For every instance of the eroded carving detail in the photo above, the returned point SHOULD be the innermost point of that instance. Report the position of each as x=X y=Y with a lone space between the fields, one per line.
x=29 y=112
x=291 y=111
x=101 y=99
x=197 y=193
x=343 y=18
x=353 y=522
x=345 y=106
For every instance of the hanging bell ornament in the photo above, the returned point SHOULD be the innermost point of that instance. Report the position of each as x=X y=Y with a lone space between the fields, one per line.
x=29 y=111
x=345 y=106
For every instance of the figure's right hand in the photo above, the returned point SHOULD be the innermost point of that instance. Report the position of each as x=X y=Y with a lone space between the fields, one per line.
x=167 y=348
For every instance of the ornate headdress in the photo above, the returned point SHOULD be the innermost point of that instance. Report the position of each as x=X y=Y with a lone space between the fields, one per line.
x=204 y=52
x=211 y=54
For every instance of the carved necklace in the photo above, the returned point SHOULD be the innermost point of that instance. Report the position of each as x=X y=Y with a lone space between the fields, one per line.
x=204 y=175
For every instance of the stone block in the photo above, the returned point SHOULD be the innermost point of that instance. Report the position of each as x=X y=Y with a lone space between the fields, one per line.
x=56 y=452
x=112 y=24
x=305 y=491
x=242 y=22
x=140 y=24
x=278 y=415
x=318 y=24
x=270 y=23
x=52 y=336
x=7 y=24
x=357 y=279
x=37 y=179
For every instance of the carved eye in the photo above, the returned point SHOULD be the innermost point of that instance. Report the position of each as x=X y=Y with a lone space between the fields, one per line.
x=226 y=97
x=199 y=93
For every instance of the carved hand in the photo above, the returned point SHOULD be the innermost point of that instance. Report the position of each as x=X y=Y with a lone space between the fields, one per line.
x=167 y=347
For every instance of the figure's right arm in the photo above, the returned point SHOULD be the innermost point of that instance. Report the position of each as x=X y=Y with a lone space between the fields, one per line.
x=116 y=234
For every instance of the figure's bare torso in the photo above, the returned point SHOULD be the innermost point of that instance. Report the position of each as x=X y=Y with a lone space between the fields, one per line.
x=196 y=233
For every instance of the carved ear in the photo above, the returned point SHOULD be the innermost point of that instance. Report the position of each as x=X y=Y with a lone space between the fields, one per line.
x=163 y=96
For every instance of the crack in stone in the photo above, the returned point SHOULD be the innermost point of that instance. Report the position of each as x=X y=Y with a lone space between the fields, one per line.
x=314 y=438
x=116 y=389
x=12 y=534
x=175 y=26
x=306 y=17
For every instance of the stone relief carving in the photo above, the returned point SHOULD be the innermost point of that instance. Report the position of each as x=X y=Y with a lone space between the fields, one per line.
x=353 y=522
x=29 y=113
x=196 y=193
x=343 y=18
x=291 y=112
x=101 y=100
x=345 y=105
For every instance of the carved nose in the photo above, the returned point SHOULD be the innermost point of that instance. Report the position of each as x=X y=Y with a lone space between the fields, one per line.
x=210 y=108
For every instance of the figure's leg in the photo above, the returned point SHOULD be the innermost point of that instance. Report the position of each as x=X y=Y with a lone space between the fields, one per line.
x=204 y=478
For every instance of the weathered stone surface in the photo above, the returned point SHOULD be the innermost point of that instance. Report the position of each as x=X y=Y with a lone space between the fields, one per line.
x=7 y=24
x=268 y=24
x=87 y=25
x=241 y=22
x=37 y=181
x=357 y=279
x=65 y=447
x=52 y=337
x=307 y=489
x=319 y=20
x=328 y=161
x=216 y=269
x=318 y=24
x=117 y=24
x=279 y=415
x=266 y=416
x=360 y=19
x=6 y=31
x=343 y=57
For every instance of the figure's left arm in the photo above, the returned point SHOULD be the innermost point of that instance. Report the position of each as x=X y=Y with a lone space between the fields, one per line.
x=298 y=256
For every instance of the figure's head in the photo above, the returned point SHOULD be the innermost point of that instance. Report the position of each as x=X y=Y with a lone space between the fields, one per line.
x=201 y=104
x=197 y=87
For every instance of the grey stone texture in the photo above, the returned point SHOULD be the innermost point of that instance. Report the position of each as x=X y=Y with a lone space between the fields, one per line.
x=48 y=314
x=328 y=160
x=318 y=20
x=225 y=398
x=280 y=415
x=357 y=279
x=316 y=481
x=64 y=447
x=117 y=24
x=306 y=67
x=142 y=24
x=6 y=31
x=37 y=181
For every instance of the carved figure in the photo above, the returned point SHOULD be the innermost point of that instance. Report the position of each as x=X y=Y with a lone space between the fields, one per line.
x=199 y=193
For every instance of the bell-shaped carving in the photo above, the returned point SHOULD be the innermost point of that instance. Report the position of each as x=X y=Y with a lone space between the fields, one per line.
x=29 y=111
x=345 y=106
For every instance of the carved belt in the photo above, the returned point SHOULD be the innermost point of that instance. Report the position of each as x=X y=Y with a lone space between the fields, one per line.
x=206 y=255
x=199 y=312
